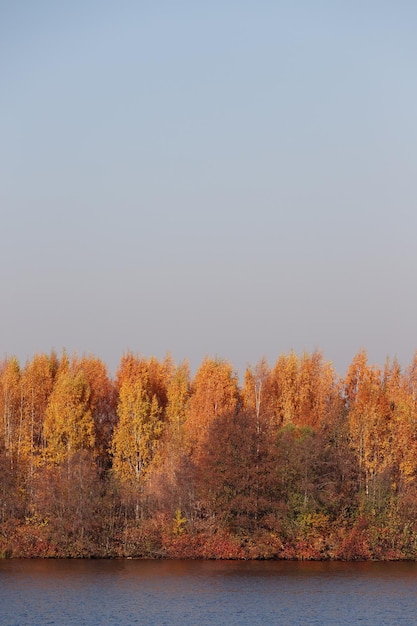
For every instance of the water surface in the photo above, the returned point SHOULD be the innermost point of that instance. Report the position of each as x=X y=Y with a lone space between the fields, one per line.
x=157 y=593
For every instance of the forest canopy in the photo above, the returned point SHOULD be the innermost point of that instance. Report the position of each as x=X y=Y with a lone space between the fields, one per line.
x=294 y=462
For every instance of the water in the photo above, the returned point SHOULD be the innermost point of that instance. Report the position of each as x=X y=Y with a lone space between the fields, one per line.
x=191 y=593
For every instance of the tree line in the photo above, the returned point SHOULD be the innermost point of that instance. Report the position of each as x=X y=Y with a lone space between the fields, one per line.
x=294 y=463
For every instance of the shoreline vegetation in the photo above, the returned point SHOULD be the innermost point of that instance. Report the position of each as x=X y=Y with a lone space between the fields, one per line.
x=294 y=463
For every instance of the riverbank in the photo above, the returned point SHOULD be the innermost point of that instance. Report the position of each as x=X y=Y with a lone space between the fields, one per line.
x=360 y=542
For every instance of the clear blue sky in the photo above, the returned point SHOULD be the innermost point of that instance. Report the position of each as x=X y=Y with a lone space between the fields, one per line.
x=225 y=178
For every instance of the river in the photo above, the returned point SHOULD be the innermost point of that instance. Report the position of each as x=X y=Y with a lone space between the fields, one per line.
x=198 y=593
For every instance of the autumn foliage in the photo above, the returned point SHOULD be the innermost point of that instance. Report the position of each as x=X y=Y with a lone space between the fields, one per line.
x=293 y=463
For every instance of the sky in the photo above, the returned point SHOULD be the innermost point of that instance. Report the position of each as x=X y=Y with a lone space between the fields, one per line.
x=233 y=179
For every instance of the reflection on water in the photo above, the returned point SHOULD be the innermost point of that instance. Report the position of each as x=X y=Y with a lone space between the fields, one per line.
x=206 y=592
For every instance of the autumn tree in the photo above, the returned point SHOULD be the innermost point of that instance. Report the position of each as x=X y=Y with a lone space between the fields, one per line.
x=296 y=464
x=318 y=390
x=284 y=389
x=10 y=406
x=154 y=373
x=401 y=449
x=369 y=415
x=37 y=382
x=137 y=432
x=170 y=481
x=142 y=398
x=258 y=402
x=302 y=390
x=69 y=424
x=178 y=396
x=214 y=393
x=101 y=403
x=257 y=395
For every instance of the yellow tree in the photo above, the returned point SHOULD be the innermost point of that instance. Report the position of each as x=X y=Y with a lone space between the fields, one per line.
x=137 y=432
x=10 y=405
x=284 y=390
x=318 y=390
x=214 y=396
x=69 y=424
x=301 y=390
x=259 y=405
x=178 y=395
x=214 y=393
x=36 y=384
x=257 y=395
x=403 y=404
x=154 y=374
x=369 y=424
x=169 y=480
x=142 y=396
x=101 y=402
